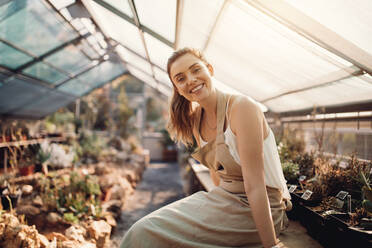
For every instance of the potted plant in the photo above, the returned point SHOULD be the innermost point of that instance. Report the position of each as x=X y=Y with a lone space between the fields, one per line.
x=291 y=172
x=42 y=156
x=26 y=162
x=169 y=147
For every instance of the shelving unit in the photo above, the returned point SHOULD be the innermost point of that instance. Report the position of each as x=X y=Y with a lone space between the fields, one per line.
x=25 y=143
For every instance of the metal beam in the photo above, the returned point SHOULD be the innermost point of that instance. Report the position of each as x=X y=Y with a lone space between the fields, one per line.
x=129 y=19
x=100 y=61
x=179 y=15
x=215 y=24
x=297 y=21
x=50 y=52
x=323 y=81
x=332 y=119
x=340 y=108
x=138 y=24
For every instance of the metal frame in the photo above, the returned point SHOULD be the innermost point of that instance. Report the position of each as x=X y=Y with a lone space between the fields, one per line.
x=323 y=81
x=179 y=15
x=50 y=52
x=30 y=79
x=215 y=24
x=133 y=21
x=341 y=108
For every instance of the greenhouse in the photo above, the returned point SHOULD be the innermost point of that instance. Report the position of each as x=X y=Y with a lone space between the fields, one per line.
x=100 y=148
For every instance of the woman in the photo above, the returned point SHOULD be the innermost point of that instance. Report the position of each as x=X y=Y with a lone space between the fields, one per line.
x=247 y=208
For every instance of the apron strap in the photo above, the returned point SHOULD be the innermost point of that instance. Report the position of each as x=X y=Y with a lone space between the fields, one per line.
x=221 y=113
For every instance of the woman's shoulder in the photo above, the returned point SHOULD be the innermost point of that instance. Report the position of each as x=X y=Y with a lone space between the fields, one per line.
x=242 y=103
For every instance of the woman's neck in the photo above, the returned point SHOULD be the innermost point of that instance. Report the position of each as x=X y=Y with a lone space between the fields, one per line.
x=209 y=104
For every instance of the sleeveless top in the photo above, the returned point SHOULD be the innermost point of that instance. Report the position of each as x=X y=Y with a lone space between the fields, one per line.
x=221 y=154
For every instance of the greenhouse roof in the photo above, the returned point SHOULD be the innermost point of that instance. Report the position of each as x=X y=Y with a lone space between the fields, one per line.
x=289 y=55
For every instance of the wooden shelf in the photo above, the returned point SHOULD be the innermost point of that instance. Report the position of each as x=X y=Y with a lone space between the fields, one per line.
x=31 y=142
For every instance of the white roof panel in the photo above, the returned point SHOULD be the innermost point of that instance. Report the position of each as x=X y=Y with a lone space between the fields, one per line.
x=351 y=90
x=134 y=59
x=159 y=16
x=117 y=28
x=197 y=21
x=248 y=53
x=158 y=51
x=351 y=19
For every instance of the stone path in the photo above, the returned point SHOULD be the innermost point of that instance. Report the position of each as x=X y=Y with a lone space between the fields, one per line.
x=161 y=184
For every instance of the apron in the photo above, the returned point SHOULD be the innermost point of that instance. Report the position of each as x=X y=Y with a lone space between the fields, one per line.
x=219 y=218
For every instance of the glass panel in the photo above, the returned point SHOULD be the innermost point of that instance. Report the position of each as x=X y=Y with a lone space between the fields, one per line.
x=17 y=93
x=134 y=59
x=44 y=105
x=69 y=59
x=12 y=58
x=45 y=73
x=197 y=23
x=158 y=51
x=351 y=19
x=93 y=78
x=121 y=5
x=32 y=26
x=345 y=91
x=257 y=60
x=109 y=22
x=159 y=16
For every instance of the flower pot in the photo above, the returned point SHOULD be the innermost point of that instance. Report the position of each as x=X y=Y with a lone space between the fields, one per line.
x=345 y=235
x=27 y=170
x=169 y=155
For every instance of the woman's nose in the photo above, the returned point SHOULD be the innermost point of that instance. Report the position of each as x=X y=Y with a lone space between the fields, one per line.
x=192 y=80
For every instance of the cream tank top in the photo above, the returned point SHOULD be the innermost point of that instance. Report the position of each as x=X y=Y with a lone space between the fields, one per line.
x=274 y=176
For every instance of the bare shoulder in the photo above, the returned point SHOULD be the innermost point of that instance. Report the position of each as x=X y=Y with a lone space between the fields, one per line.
x=243 y=110
x=243 y=105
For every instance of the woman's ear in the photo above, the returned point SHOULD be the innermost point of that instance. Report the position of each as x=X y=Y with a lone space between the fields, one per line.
x=210 y=69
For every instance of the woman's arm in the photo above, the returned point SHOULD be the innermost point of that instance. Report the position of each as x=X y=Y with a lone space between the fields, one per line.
x=247 y=122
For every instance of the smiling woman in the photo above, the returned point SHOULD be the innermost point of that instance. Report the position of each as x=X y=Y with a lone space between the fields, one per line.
x=247 y=208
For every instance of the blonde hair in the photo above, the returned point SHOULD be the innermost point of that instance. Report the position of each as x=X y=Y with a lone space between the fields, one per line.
x=182 y=113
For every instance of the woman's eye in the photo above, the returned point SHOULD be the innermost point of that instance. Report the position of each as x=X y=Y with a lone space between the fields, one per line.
x=196 y=70
x=180 y=79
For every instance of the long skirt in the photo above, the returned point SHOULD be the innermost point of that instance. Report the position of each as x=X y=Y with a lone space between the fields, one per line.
x=212 y=219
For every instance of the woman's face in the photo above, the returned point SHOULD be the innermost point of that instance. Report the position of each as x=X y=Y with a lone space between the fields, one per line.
x=192 y=77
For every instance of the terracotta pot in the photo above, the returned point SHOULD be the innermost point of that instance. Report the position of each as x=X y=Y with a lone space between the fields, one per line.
x=28 y=170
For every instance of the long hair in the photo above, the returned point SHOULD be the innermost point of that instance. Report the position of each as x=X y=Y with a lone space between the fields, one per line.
x=182 y=112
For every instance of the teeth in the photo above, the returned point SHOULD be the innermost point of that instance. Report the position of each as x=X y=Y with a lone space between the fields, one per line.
x=196 y=88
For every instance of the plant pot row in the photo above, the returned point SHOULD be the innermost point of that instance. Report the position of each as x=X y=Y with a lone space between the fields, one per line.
x=330 y=230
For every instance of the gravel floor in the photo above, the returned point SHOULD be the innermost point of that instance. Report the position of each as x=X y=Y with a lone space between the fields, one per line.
x=161 y=184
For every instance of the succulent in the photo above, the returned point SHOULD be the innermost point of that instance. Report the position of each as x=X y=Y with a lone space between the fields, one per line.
x=367 y=193
x=290 y=171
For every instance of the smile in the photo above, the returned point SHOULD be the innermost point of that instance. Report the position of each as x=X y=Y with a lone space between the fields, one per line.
x=197 y=88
